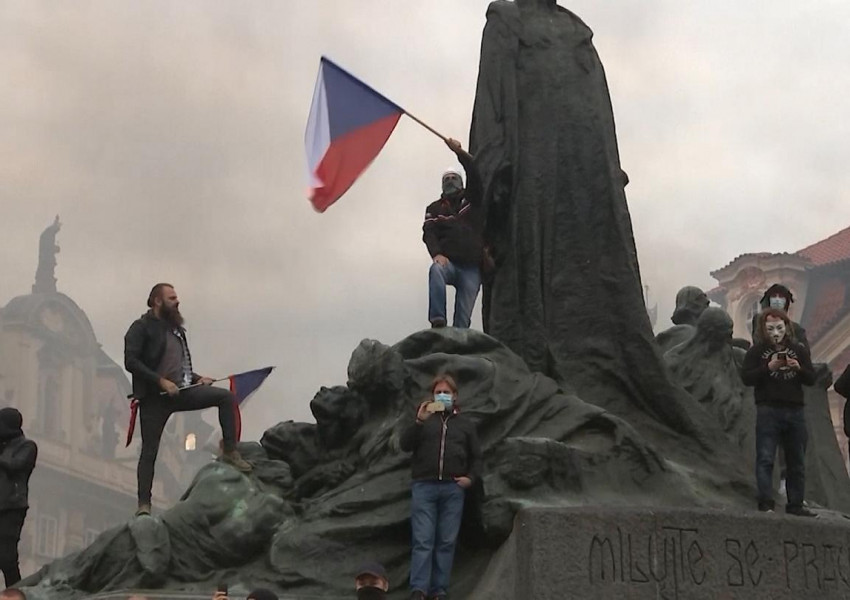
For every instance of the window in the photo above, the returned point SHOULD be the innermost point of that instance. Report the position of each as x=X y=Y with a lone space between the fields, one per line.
x=46 y=533
x=190 y=442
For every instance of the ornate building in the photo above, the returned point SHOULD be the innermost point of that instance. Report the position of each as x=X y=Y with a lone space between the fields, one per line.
x=819 y=278
x=73 y=398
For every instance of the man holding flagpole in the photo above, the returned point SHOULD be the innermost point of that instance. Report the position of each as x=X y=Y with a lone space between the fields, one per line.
x=156 y=353
x=452 y=233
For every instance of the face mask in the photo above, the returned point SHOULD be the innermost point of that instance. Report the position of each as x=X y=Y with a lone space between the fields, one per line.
x=452 y=185
x=776 y=331
x=777 y=302
x=446 y=399
x=371 y=593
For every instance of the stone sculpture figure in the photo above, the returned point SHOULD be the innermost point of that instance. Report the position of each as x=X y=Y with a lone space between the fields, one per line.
x=691 y=302
x=567 y=294
x=45 y=280
x=706 y=365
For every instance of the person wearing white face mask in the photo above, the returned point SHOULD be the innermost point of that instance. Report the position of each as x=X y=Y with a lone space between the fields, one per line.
x=446 y=460
x=779 y=297
x=778 y=368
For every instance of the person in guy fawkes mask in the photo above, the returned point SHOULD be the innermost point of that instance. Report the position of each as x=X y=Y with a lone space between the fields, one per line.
x=446 y=461
x=779 y=297
x=371 y=582
x=17 y=461
x=778 y=367
x=452 y=232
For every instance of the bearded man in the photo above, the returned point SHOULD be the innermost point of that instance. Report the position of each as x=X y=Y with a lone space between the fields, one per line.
x=778 y=367
x=156 y=353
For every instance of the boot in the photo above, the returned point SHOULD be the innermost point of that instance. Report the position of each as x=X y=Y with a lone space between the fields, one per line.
x=234 y=459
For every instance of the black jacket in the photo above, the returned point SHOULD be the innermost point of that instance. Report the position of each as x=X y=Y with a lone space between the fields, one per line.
x=842 y=386
x=452 y=438
x=453 y=225
x=777 y=388
x=17 y=460
x=144 y=347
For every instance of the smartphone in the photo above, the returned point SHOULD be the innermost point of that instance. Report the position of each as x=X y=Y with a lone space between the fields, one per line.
x=222 y=587
x=433 y=407
x=782 y=355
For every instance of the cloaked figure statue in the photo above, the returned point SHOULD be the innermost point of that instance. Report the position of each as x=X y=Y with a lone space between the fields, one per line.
x=691 y=302
x=566 y=295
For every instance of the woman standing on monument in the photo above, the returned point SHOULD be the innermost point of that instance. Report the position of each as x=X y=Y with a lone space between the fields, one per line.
x=446 y=459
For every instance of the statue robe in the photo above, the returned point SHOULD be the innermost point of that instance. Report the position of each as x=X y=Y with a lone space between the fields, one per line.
x=566 y=295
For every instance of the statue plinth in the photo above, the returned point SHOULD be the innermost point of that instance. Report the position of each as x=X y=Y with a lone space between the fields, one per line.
x=669 y=553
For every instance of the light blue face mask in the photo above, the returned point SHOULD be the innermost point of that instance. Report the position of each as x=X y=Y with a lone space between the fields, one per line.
x=444 y=398
x=777 y=302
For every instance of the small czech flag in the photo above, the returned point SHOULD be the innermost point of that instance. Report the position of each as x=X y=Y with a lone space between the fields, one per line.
x=243 y=385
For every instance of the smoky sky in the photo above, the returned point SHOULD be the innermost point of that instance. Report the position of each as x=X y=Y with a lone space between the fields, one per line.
x=169 y=137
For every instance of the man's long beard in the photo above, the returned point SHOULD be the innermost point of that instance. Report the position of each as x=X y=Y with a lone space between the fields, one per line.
x=172 y=316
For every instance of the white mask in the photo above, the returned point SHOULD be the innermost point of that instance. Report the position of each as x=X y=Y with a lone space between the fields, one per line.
x=777 y=302
x=775 y=330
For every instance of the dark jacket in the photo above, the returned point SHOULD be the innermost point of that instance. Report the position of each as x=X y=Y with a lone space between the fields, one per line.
x=453 y=225
x=450 y=437
x=144 y=347
x=17 y=460
x=777 y=388
x=842 y=386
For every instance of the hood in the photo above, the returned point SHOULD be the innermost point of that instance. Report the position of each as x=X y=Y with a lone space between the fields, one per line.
x=776 y=288
x=11 y=422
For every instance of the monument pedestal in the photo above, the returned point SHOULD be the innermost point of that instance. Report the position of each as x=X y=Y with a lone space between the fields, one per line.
x=556 y=553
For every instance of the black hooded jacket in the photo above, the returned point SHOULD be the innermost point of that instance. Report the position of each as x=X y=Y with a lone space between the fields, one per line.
x=17 y=461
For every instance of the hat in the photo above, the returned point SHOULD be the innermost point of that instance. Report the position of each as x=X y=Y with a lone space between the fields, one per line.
x=372 y=568
x=453 y=171
x=262 y=594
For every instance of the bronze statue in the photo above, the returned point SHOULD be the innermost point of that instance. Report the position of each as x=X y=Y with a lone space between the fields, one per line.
x=45 y=279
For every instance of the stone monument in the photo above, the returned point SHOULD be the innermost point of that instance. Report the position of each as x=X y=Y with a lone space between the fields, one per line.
x=600 y=471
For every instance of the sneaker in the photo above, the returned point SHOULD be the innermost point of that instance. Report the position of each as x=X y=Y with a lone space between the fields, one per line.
x=417 y=595
x=800 y=511
x=144 y=510
x=234 y=459
x=437 y=324
x=766 y=507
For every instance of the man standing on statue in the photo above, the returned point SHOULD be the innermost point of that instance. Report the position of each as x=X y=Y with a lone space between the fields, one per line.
x=452 y=233
x=778 y=367
x=156 y=353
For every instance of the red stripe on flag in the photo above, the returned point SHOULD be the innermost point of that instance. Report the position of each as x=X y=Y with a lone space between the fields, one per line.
x=347 y=157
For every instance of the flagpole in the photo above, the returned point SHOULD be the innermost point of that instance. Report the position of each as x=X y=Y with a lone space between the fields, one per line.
x=426 y=126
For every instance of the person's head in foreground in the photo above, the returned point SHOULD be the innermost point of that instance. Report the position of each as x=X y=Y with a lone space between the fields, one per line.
x=371 y=582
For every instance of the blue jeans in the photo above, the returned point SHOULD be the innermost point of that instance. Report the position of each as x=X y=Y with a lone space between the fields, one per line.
x=785 y=426
x=466 y=280
x=436 y=510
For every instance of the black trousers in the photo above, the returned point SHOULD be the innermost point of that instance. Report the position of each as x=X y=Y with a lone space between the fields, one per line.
x=11 y=523
x=154 y=413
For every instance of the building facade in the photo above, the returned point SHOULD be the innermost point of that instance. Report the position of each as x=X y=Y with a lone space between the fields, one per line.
x=819 y=278
x=73 y=398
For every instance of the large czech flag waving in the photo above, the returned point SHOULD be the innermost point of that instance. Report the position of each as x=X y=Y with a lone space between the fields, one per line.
x=349 y=123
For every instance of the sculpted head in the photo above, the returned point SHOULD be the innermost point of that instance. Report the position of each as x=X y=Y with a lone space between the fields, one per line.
x=715 y=327
x=690 y=303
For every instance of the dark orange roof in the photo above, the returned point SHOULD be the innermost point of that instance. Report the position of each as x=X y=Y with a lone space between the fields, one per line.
x=835 y=248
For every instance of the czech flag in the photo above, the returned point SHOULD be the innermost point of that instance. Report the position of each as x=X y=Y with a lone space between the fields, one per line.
x=243 y=385
x=349 y=124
